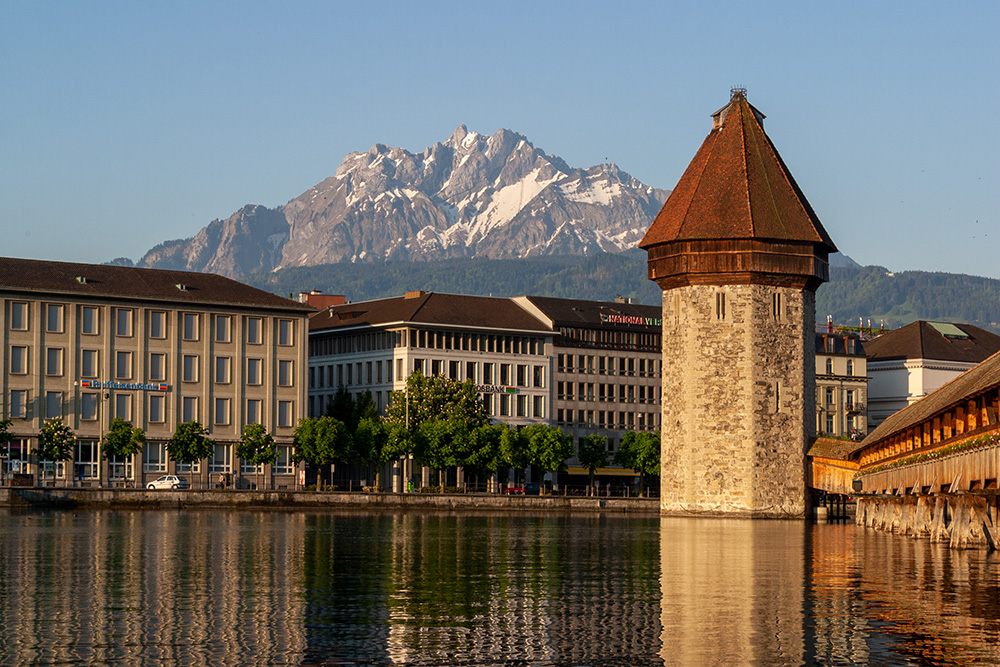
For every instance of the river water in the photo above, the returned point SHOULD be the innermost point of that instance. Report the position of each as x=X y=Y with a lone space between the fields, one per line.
x=276 y=588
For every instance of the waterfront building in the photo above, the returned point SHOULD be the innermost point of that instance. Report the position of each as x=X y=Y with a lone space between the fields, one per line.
x=909 y=363
x=585 y=366
x=841 y=385
x=739 y=254
x=88 y=343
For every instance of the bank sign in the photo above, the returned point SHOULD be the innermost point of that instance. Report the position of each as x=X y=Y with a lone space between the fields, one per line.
x=631 y=319
x=495 y=389
x=125 y=386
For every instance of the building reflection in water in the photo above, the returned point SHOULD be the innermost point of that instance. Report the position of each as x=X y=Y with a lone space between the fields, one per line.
x=235 y=588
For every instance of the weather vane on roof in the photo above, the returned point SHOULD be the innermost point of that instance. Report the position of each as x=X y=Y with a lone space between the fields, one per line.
x=737 y=90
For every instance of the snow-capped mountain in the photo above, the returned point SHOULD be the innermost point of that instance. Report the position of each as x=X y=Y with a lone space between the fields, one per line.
x=472 y=196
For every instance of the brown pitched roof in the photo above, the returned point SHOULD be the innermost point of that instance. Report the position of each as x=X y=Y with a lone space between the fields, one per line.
x=574 y=312
x=934 y=340
x=100 y=280
x=432 y=309
x=737 y=187
x=831 y=448
x=972 y=382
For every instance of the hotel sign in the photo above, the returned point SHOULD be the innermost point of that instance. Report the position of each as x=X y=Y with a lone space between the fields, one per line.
x=631 y=319
x=127 y=386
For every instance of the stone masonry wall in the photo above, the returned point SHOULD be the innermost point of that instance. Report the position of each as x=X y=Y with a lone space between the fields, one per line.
x=736 y=413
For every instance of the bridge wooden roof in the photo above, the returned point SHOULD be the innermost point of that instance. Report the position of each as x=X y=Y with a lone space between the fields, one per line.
x=969 y=384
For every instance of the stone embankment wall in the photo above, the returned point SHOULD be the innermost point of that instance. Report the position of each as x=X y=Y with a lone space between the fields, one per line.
x=286 y=500
x=964 y=521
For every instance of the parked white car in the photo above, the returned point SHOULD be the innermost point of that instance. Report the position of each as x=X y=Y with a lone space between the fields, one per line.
x=168 y=482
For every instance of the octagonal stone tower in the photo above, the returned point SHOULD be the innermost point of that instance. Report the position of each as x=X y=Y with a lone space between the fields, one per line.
x=739 y=254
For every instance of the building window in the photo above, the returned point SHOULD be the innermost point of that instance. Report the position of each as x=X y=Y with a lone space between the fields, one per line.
x=88 y=406
x=222 y=328
x=190 y=330
x=88 y=363
x=53 y=404
x=154 y=457
x=829 y=423
x=54 y=318
x=829 y=396
x=285 y=332
x=522 y=405
x=850 y=366
x=89 y=321
x=222 y=416
x=123 y=406
x=189 y=409
x=829 y=344
x=123 y=365
x=190 y=371
x=123 y=322
x=488 y=376
x=157 y=324
x=158 y=366
x=18 y=359
x=88 y=462
x=538 y=407
x=538 y=377
x=223 y=367
x=254 y=374
x=720 y=306
x=19 y=404
x=284 y=465
x=505 y=405
x=285 y=415
x=399 y=370
x=253 y=411
x=829 y=366
x=18 y=316
x=157 y=413
x=505 y=374
x=285 y=373
x=776 y=305
x=221 y=460
x=53 y=361
x=254 y=328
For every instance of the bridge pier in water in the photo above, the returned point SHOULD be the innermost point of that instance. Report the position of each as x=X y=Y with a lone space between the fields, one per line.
x=964 y=521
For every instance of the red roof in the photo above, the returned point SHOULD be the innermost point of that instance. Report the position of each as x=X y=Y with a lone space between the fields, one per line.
x=737 y=187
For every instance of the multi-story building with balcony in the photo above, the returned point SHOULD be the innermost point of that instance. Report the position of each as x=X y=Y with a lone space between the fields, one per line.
x=841 y=385
x=88 y=343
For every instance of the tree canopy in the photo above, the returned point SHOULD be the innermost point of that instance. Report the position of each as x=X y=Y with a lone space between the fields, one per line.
x=55 y=441
x=123 y=439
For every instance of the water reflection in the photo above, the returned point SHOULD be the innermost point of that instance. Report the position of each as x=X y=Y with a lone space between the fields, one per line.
x=228 y=588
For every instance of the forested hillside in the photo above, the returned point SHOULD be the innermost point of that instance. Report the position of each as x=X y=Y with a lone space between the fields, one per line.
x=869 y=292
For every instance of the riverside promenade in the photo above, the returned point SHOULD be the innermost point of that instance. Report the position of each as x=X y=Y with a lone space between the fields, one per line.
x=16 y=497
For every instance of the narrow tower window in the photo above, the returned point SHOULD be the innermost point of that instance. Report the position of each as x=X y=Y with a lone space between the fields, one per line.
x=776 y=305
x=720 y=306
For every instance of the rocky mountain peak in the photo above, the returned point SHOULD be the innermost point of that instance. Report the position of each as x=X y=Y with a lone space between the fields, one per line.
x=473 y=195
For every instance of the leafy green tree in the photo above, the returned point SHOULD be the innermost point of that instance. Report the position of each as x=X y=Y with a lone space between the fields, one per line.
x=485 y=454
x=548 y=448
x=190 y=443
x=376 y=443
x=593 y=454
x=55 y=441
x=122 y=440
x=341 y=408
x=320 y=442
x=640 y=451
x=364 y=407
x=514 y=450
x=440 y=414
x=257 y=446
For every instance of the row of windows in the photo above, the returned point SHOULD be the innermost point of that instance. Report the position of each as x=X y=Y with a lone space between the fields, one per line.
x=121 y=405
x=850 y=367
x=486 y=373
x=515 y=405
x=608 y=419
x=426 y=339
x=588 y=363
x=157 y=369
x=850 y=397
x=190 y=323
x=618 y=340
x=589 y=391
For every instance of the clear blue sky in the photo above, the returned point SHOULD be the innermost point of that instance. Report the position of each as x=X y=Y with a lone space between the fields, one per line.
x=123 y=124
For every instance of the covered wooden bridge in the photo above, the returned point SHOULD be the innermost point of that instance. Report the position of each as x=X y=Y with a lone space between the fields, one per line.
x=931 y=469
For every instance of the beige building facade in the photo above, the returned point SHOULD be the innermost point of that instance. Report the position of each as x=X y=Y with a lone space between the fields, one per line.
x=88 y=343
x=841 y=386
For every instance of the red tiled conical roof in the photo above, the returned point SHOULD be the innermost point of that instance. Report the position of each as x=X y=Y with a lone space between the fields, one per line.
x=737 y=187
